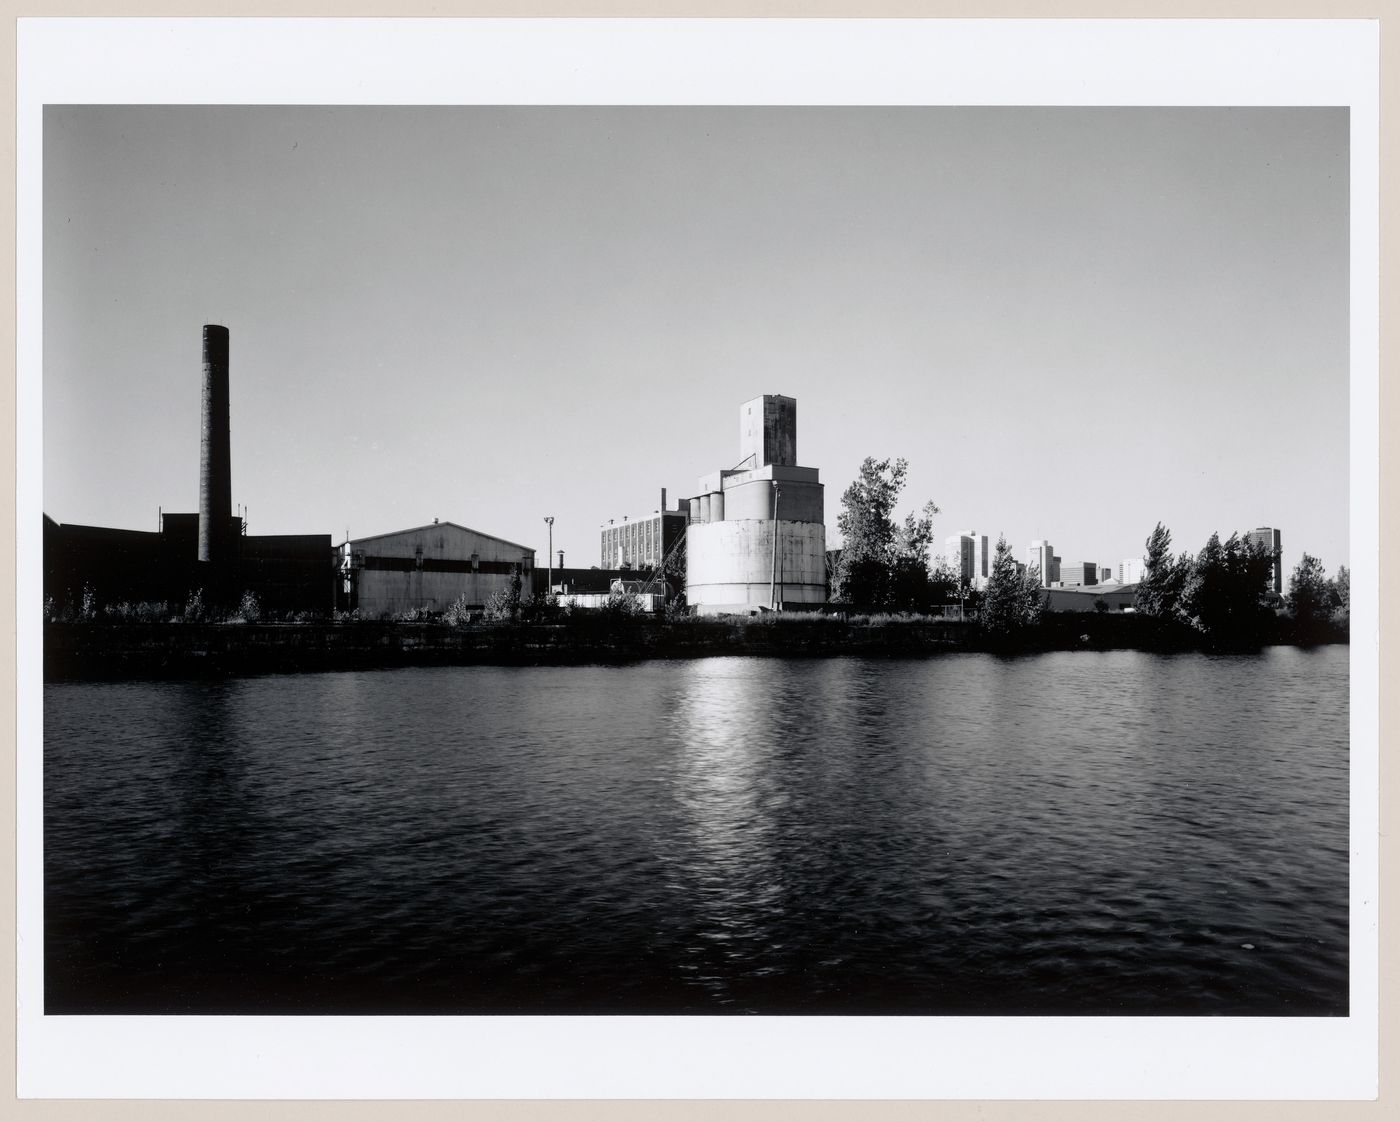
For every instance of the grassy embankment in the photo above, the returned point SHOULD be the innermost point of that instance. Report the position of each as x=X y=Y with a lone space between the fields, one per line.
x=103 y=648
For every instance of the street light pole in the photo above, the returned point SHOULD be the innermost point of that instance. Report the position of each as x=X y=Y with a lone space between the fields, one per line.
x=773 y=576
x=549 y=560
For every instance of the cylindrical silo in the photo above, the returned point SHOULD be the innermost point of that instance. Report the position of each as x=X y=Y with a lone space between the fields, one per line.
x=215 y=482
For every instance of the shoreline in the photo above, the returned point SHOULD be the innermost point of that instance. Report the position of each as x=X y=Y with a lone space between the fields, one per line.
x=95 y=651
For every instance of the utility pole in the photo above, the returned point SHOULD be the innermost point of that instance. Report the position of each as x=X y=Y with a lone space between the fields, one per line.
x=773 y=577
x=549 y=559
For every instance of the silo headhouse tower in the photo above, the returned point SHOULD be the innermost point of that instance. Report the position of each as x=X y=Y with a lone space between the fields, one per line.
x=756 y=537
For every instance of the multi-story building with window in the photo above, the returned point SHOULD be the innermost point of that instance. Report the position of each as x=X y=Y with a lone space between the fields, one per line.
x=1271 y=539
x=1078 y=573
x=966 y=554
x=643 y=542
x=1043 y=556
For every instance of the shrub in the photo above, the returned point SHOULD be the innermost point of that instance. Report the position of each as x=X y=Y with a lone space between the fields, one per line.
x=539 y=609
x=249 y=610
x=141 y=612
x=458 y=613
x=88 y=610
x=622 y=605
x=195 y=611
x=504 y=606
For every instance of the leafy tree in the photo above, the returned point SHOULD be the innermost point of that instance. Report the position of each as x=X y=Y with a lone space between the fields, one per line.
x=622 y=605
x=1013 y=600
x=249 y=610
x=458 y=613
x=539 y=608
x=504 y=605
x=673 y=568
x=884 y=563
x=1226 y=593
x=1164 y=578
x=945 y=584
x=1341 y=589
x=1310 y=594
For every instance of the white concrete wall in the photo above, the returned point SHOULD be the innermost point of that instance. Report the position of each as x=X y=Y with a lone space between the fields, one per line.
x=753 y=499
x=729 y=564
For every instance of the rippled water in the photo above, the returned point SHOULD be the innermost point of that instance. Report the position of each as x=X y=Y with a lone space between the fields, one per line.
x=1110 y=833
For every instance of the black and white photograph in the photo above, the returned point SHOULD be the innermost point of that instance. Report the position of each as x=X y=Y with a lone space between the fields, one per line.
x=875 y=562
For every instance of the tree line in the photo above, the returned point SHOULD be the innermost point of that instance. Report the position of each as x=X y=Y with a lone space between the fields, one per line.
x=1225 y=591
x=1221 y=596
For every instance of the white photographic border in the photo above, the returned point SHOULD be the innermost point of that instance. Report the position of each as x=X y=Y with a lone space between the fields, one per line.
x=713 y=62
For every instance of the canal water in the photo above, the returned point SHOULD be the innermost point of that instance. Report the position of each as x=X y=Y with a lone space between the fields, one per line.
x=1085 y=833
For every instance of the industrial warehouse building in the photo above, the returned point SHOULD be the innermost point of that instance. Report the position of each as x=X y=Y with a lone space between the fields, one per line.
x=429 y=569
x=756 y=537
x=1114 y=598
x=209 y=552
x=292 y=574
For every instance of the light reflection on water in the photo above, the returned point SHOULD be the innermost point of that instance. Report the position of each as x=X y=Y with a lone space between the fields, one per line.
x=1098 y=833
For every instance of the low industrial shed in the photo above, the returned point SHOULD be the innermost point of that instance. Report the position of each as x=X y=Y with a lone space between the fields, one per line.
x=429 y=569
x=1114 y=597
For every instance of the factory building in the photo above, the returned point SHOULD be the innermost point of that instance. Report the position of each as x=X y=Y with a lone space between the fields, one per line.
x=644 y=542
x=209 y=552
x=966 y=555
x=430 y=568
x=756 y=537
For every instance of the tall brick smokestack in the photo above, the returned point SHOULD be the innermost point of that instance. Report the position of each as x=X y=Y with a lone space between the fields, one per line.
x=215 y=483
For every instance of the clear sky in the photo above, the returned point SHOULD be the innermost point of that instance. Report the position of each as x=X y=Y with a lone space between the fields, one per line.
x=1072 y=322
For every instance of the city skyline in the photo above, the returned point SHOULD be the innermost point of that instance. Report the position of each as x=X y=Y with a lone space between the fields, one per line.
x=1073 y=323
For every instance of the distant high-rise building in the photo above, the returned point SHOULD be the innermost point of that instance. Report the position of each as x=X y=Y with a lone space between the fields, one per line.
x=1271 y=539
x=1043 y=557
x=1105 y=574
x=1078 y=573
x=1130 y=570
x=966 y=554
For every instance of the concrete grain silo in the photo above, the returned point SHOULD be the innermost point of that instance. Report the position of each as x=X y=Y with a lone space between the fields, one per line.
x=757 y=538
